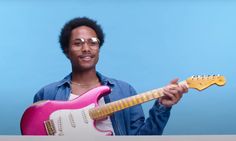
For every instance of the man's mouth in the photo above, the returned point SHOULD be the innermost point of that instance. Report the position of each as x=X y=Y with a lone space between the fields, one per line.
x=86 y=57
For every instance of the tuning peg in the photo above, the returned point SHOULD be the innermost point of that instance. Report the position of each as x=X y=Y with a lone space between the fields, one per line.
x=192 y=77
x=203 y=76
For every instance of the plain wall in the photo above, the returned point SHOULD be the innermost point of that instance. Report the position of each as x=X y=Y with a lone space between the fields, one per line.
x=147 y=44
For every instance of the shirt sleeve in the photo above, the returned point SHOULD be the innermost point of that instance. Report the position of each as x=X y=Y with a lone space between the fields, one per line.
x=38 y=96
x=154 y=123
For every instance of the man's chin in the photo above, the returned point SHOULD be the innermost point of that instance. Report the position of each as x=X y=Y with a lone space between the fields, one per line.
x=86 y=67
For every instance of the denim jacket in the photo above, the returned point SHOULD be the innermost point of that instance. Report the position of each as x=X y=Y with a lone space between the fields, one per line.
x=130 y=121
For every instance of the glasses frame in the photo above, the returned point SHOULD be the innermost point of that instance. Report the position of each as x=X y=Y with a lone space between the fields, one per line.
x=90 y=42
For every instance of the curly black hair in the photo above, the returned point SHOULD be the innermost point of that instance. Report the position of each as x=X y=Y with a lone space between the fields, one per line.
x=65 y=35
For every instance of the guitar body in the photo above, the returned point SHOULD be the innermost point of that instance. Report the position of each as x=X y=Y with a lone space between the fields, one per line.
x=64 y=115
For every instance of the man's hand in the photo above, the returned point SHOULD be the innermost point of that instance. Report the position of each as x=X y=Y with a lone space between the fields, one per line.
x=172 y=93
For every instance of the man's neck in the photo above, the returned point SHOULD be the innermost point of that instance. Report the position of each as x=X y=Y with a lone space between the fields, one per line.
x=84 y=77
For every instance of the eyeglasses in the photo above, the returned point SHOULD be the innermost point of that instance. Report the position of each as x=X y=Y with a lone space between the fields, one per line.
x=92 y=42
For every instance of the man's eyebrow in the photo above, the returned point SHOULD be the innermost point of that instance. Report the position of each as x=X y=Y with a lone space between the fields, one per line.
x=77 y=39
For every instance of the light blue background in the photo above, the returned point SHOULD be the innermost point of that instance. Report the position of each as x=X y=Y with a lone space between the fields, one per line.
x=147 y=44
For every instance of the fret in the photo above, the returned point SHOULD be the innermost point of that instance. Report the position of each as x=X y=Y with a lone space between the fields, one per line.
x=135 y=101
x=153 y=93
x=142 y=98
x=139 y=99
x=115 y=106
x=160 y=93
x=99 y=113
x=146 y=97
x=131 y=102
x=111 y=108
x=150 y=96
x=156 y=95
x=120 y=104
x=125 y=103
x=105 y=110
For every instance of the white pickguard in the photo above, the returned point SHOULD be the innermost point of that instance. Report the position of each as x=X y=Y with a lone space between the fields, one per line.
x=74 y=122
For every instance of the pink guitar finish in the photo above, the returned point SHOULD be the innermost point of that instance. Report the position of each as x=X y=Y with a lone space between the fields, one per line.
x=32 y=121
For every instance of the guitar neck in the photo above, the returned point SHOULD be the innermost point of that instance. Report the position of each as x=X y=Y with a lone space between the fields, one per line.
x=107 y=109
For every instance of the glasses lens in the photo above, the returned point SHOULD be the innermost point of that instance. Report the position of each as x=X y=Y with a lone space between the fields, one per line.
x=93 y=41
x=79 y=42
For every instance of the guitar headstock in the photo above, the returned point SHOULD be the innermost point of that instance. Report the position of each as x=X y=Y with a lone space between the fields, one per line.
x=202 y=82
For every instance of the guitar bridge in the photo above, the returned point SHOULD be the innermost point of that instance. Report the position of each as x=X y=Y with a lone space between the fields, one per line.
x=50 y=127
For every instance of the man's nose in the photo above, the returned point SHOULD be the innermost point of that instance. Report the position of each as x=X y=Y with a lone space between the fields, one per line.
x=85 y=46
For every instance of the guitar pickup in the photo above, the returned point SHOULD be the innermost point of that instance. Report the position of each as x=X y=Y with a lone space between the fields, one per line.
x=50 y=127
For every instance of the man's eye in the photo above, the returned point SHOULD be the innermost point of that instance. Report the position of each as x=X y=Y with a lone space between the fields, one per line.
x=78 y=43
x=93 y=43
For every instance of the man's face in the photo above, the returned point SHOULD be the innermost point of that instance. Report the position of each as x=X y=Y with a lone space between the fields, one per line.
x=83 y=48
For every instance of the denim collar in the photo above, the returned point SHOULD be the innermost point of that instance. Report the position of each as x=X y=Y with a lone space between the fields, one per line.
x=103 y=79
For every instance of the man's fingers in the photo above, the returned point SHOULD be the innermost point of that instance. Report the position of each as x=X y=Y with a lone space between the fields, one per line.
x=174 y=81
x=169 y=93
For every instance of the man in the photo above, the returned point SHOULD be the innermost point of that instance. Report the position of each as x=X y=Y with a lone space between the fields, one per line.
x=81 y=40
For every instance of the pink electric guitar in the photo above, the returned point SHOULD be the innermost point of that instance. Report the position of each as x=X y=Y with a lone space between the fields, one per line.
x=79 y=116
